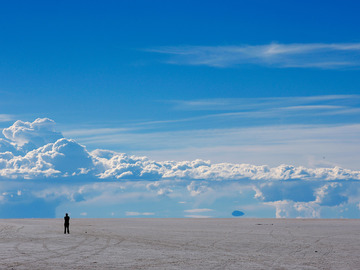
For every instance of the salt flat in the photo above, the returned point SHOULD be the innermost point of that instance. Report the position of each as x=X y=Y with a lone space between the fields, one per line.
x=180 y=244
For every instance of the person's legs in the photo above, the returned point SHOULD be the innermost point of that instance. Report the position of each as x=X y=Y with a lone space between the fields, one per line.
x=64 y=229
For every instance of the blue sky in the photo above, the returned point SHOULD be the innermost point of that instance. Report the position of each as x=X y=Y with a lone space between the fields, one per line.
x=241 y=82
x=96 y=59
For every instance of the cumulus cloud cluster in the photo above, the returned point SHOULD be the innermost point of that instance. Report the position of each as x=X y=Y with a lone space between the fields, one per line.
x=36 y=150
x=28 y=136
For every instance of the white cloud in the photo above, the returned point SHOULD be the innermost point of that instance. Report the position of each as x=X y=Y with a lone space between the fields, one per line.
x=196 y=188
x=164 y=191
x=311 y=55
x=94 y=131
x=32 y=135
x=251 y=104
x=6 y=146
x=198 y=210
x=290 y=209
x=65 y=157
x=293 y=110
x=293 y=191
x=312 y=131
x=148 y=214
x=162 y=188
x=6 y=117
x=290 y=199
x=331 y=194
x=139 y=214
x=307 y=145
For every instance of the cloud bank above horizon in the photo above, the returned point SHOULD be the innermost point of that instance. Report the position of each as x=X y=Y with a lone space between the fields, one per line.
x=89 y=182
x=36 y=150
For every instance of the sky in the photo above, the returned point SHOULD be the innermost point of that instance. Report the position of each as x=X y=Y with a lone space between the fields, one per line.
x=208 y=107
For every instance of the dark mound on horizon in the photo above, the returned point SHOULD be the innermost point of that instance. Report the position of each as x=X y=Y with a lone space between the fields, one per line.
x=238 y=213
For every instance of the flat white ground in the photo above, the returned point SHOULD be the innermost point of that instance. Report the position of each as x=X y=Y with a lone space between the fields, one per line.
x=180 y=244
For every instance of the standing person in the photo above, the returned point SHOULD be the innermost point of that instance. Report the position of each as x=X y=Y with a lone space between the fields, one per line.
x=67 y=223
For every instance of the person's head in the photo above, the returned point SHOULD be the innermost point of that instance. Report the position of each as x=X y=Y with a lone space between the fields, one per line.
x=66 y=214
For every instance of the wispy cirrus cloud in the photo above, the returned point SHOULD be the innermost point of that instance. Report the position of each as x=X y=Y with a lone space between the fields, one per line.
x=267 y=108
x=313 y=145
x=311 y=130
x=232 y=109
x=6 y=118
x=324 y=101
x=297 y=55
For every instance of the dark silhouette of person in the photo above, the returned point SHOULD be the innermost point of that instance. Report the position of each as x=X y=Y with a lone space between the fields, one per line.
x=67 y=223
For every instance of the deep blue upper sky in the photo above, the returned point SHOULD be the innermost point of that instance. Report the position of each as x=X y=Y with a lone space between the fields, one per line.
x=112 y=63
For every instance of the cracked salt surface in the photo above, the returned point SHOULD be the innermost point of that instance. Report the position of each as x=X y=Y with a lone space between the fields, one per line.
x=180 y=244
